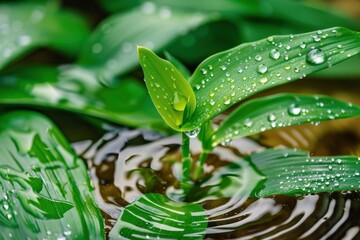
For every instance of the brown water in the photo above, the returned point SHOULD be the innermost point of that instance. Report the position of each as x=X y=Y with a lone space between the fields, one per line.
x=128 y=163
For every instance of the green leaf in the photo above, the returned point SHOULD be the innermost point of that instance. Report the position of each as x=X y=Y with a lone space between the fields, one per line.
x=112 y=47
x=45 y=191
x=171 y=93
x=280 y=111
x=27 y=26
x=154 y=216
x=294 y=172
x=78 y=90
x=226 y=78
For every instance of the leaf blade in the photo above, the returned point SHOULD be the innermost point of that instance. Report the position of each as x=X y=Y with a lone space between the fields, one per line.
x=28 y=26
x=238 y=73
x=279 y=111
x=44 y=182
x=78 y=90
x=115 y=54
x=172 y=95
x=305 y=174
x=157 y=217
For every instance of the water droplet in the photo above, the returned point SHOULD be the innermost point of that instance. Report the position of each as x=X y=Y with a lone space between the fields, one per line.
x=339 y=46
x=316 y=38
x=226 y=142
x=148 y=7
x=262 y=68
x=263 y=80
x=296 y=69
x=192 y=133
x=223 y=68
x=316 y=56
x=302 y=45
x=248 y=122
x=212 y=102
x=271 y=117
x=294 y=109
x=275 y=54
x=179 y=102
x=24 y=40
x=227 y=101
x=97 y=48
x=240 y=70
x=165 y=13
x=204 y=71
x=258 y=58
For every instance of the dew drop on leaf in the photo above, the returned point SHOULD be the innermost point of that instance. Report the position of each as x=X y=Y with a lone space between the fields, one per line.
x=192 y=133
x=294 y=109
x=248 y=122
x=262 y=68
x=316 y=56
x=275 y=54
x=179 y=102
x=226 y=142
x=271 y=117
x=227 y=101
x=302 y=45
x=316 y=38
x=258 y=58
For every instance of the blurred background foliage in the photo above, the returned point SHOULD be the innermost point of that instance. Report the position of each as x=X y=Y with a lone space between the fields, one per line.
x=80 y=56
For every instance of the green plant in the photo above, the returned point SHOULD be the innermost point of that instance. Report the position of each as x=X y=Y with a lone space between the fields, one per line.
x=229 y=77
x=45 y=190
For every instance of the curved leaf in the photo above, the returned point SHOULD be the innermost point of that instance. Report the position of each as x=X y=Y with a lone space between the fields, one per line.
x=171 y=93
x=25 y=26
x=112 y=47
x=45 y=189
x=154 y=216
x=279 y=111
x=291 y=174
x=78 y=90
x=231 y=76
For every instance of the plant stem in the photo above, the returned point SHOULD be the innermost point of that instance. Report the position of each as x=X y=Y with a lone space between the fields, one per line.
x=200 y=164
x=186 y=158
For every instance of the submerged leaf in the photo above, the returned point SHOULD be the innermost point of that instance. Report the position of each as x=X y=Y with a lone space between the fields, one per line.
x=154 y=216
x=280 y=111
x=171 y=93
x=231 y=76
x=45 y=191
x=294 y=172
x=26 y=26
x=78 y=90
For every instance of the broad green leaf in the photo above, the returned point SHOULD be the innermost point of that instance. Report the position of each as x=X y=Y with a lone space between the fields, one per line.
x=171 y=93
x=154 y=216
x=45 y=189
x=112 y=47
x=78 y=90
x=226 y=78
x=280 y=111
x=25 y=26
x=288 y=172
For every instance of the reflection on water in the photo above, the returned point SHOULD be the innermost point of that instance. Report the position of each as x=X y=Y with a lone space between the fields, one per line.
x=124 y=165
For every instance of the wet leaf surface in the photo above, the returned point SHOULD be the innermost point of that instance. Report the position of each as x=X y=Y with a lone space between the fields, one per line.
x=45 y=189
